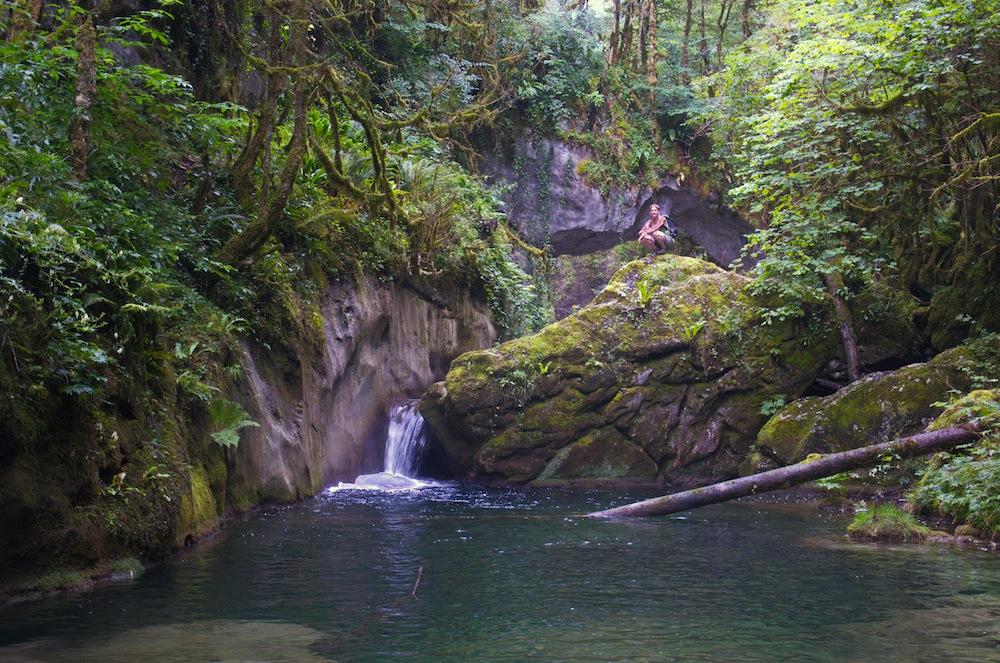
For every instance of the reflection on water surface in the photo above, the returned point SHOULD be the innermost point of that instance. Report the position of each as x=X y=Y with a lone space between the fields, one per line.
x=514 y=574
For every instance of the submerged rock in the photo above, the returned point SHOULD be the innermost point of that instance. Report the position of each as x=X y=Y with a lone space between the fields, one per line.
x=877 y=408
x=653 y=380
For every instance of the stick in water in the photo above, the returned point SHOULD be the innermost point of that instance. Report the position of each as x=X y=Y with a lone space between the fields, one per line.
x=420 y=574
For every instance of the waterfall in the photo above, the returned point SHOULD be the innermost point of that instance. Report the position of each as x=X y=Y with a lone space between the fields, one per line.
x=404 y=443
x=405 y=440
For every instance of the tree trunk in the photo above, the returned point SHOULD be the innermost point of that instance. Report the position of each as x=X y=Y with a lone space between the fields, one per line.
x=745 y=18
x=706 y=63
x=266 y=115
x=86 y=87
x=24 y=16
x=834 y=282
x=625 y=42
x=793 y=475
x=722 y=23
x=651 y=47
x=686 y=43
x=615 y=33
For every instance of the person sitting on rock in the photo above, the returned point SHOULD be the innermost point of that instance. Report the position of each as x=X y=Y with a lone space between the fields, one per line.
x=657 y=234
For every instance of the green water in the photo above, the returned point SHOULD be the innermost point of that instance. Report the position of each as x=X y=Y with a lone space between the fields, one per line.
x=517 y=575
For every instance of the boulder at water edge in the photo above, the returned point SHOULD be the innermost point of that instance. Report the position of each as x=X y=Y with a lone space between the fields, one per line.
x=654 y=380
x=877 y=408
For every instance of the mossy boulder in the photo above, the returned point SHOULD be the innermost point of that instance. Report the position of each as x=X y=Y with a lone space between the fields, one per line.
x=600 y=454
x=981 y=406
x=956 y=310
x=877 y=408
x=653 y=380
x=889 y=324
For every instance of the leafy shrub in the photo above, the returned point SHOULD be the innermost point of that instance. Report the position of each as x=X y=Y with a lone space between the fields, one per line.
x=965 y=484
x=519 y=302
x=965 y=487
x=773 y=405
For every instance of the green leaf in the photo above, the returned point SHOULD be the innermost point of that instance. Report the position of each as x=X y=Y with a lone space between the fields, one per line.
x=228 y=417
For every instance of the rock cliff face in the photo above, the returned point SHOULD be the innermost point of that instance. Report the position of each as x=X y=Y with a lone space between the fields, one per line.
x=551 y=202
x=379 y=344
x=649 y=382
x=131 y=476
x=593 y=232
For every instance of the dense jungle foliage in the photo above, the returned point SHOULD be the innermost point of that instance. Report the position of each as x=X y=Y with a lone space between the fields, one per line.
x=177 y=175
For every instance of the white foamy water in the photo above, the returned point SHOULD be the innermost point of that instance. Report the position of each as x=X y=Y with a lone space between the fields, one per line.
x=404 y=445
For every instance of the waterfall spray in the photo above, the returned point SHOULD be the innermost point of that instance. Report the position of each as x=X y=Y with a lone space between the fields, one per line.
x=405 y=441
x=404 y=445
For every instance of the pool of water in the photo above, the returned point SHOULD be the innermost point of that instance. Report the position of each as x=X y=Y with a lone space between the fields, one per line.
x=463 y=573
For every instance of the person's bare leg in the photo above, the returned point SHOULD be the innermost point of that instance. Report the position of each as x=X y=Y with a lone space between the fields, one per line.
x=662 y=242
x=647 y=243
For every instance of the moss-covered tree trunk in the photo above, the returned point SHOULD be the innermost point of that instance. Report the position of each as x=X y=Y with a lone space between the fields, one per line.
x=273 y=204
x=24 y=16
x=852 y=354
x=254 y=236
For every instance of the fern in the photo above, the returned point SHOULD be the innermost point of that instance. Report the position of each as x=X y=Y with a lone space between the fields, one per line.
x=228 y=418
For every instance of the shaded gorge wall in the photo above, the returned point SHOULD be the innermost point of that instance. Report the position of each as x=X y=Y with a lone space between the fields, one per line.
x=135 y=472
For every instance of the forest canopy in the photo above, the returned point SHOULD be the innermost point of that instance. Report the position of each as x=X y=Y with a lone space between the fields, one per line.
x=167 y=168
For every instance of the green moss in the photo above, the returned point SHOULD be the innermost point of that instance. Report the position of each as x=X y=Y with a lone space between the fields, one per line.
x=60 y=579
x=74 y=578
x=876 y=408
x=562 y=414
x=600 y=454
x=786 y=434
x=981 y=406
x=956 y=310
x=127 y=567
x=663 y=272
x=887 y=523
x=198 y=513
x=885 y=322
x=968 y=530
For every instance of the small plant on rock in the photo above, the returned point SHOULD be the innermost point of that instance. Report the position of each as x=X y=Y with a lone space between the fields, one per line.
x=888 y=523
x=644 y=293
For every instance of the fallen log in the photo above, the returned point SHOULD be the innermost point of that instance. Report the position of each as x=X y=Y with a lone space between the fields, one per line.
x=793 y=475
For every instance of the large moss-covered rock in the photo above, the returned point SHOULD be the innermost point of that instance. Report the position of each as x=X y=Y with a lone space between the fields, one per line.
x=877 y=408
x=967 y=304
x=654 y=379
